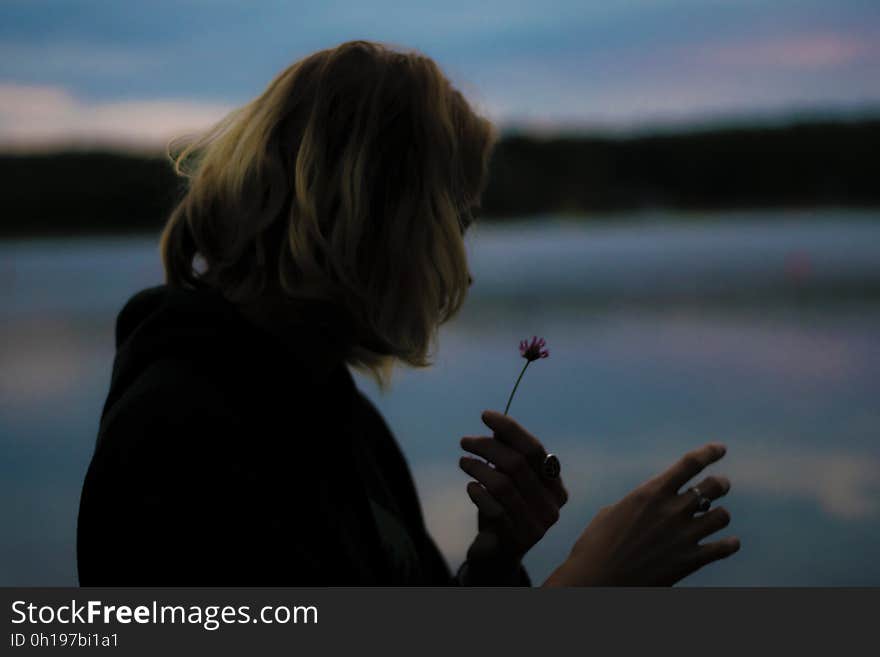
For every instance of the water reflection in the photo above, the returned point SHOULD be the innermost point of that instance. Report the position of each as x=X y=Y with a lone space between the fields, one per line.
x=651 y=356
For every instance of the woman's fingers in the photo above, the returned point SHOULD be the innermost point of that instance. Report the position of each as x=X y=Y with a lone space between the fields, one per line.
x=702 y=555
x=487 y=505
x=690 y=465
x=709 y=552
x=492 y=520
x=515 y=465
x=712 y=487
x=509 y=432
x=707 y=524
x=500 y=486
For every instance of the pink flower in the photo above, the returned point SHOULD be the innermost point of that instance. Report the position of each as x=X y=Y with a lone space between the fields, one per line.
x=530 y=351
x=533 y=350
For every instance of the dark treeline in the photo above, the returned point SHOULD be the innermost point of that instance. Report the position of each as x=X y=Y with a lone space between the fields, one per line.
x=73 y=192
x=811 y=164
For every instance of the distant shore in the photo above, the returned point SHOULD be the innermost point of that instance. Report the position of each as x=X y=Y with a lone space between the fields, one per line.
x=812 y=164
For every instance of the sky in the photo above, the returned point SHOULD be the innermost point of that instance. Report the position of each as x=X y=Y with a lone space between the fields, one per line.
x=141 y=72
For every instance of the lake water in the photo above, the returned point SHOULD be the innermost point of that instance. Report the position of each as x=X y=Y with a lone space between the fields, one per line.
x=761 y=330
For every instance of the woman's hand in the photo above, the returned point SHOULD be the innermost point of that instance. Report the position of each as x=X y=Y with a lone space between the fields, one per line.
x=516 y=504
x=651 y=537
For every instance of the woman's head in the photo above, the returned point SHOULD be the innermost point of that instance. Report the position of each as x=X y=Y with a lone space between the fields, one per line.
x=350 y=180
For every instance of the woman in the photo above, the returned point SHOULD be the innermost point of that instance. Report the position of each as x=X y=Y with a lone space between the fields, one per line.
x=323 y=228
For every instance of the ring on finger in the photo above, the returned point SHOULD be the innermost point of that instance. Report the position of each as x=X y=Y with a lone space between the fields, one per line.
x=550 y=467
x=703 y=502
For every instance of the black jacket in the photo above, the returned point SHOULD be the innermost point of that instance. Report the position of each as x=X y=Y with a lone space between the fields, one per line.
x=228 y=457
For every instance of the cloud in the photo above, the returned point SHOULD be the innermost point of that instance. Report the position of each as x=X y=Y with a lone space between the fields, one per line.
x=843 y=484
x=44 y=368
x=35 y=116
x=817 y=51
x=60 y=58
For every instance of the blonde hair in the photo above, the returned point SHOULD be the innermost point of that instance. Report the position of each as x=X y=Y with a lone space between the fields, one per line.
x=349 y=180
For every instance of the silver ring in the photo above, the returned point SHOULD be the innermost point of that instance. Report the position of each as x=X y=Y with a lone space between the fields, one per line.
x=703 y=502
x=551 y=467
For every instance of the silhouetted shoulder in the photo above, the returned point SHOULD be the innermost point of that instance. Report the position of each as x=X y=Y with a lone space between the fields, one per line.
x=134 y=310
x=175 y=395
x=186 y=489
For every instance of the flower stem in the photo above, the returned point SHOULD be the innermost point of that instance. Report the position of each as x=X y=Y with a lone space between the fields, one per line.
x=510 y=399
